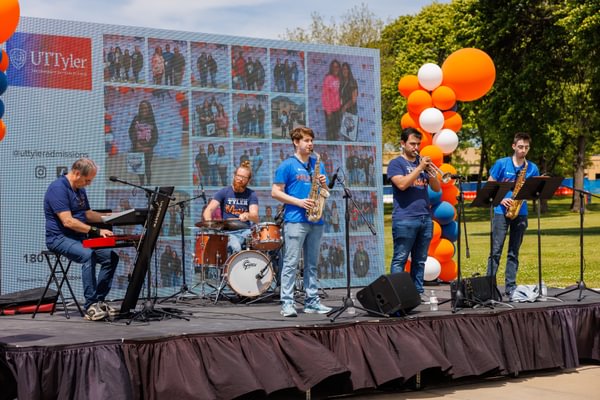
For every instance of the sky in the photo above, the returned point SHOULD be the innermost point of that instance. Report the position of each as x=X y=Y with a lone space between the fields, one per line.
x=266 y=19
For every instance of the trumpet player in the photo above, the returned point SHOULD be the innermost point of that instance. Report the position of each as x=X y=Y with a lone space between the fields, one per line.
x=412 y=227
x=510 y=215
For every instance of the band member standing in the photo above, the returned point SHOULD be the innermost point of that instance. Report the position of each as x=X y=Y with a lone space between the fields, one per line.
x=510 y=169
x=412 y=227
x=236 y=202
x=292 y=186
x=68 y=217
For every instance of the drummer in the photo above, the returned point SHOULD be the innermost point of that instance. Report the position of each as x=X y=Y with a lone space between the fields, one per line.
x=239 y=208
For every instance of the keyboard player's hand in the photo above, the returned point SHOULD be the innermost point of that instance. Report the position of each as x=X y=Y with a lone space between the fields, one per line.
x=106 y=233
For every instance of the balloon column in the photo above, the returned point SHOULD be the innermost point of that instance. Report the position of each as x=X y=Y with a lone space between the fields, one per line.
x=431 y=96
x=9 y=17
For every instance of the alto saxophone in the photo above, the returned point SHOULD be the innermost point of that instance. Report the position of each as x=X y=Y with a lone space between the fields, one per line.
x=513 y=210
x=317 y=193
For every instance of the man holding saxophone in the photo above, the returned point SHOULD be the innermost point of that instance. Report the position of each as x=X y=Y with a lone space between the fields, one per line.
x=412 y=227
x=300 y=183
x=510 y=214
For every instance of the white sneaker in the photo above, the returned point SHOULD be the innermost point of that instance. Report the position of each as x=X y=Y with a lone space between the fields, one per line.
x=288 y=310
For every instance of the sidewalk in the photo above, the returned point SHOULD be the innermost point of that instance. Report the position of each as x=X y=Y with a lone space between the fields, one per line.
x=580 y=384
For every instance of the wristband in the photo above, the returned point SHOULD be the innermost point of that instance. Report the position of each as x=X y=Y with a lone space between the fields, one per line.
x=94 y=231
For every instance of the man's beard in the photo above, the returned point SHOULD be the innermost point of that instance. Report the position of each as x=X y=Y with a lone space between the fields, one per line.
x=238 y=187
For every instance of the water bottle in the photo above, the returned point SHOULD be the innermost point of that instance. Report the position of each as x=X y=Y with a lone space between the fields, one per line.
x=351 y=309
x=433 y=301
x=544 y=289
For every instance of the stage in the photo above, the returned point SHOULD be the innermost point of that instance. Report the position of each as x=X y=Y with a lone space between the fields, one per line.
x=232 y=350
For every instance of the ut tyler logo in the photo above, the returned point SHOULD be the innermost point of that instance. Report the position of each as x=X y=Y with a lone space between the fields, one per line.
x=17 y=58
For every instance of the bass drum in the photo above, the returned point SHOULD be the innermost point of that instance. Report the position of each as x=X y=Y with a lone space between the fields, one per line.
x=249 y=273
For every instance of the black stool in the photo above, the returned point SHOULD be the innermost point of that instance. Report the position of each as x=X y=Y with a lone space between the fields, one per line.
x=57 y=268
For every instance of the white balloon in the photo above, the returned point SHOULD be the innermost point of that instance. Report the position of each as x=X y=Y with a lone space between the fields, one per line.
x=430 y=76
x=447 y=140
x=431 y=119
x=432 y=269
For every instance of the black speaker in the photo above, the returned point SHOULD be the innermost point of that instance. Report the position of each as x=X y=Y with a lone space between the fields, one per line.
x=390 y=294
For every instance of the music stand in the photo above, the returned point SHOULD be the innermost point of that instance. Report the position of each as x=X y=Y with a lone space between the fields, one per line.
x=539 y=188
x=581 y=286
x=490 y=195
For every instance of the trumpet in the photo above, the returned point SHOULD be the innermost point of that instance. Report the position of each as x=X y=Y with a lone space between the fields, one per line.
x=433 y=170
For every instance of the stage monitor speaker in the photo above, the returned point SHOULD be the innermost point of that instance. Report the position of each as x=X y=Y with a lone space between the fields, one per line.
x=390 y=294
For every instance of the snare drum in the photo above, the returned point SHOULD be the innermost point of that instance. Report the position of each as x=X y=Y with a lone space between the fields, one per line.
x=249 y=273
x=211 y=248
x=266 y=236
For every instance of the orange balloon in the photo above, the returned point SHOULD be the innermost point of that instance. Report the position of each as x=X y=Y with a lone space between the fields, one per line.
x=447 y=168
x=408 y=121
x=449 y=194
x=426 y=138
x=418 y=101
x=449 y=271
x=432 y=247
x=437 y=233
x=408 y=84
x=435 y=238
x=9 y=15
x=434 y=152
x=443 y=98
x=452 y=120
x=444 y=251
x=2 y=130
x=4 y=61
x=469 y=72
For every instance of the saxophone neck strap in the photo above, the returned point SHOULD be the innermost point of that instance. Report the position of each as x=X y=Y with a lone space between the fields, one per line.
x=307 y=165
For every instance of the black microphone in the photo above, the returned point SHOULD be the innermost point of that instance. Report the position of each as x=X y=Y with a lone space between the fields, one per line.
x=115 y=179
x=333 y=179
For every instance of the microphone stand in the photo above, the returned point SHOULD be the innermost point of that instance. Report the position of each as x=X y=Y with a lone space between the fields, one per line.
x=581 y=286
x=184 y=290
x=348 y=301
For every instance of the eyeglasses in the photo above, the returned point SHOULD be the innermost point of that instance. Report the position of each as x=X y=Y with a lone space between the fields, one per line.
x=242 y=177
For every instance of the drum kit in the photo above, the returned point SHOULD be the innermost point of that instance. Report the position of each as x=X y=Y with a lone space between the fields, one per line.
x=248 y=273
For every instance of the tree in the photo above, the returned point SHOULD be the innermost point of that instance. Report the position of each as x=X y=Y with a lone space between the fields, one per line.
x=544 y=82
x=358 y=27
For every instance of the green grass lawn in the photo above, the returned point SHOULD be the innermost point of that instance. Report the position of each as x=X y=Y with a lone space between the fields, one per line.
x=559 y=229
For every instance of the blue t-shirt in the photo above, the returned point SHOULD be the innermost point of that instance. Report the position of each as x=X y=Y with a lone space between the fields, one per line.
x=414 y=201
x=297 y=178
x=60 y=197
x=504 y=170
x=233 y=204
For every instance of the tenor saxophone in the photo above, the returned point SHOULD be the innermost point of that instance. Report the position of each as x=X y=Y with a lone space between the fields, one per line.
x=317 y=193
x=513 y=210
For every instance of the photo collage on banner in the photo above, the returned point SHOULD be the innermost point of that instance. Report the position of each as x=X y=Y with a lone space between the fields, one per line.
x=236 y=103
x=185 y=110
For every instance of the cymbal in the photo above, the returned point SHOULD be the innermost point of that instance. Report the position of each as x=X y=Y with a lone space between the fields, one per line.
x=210 y=224
x=233 y=224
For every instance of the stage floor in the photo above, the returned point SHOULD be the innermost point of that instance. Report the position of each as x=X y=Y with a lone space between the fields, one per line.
x=206 y=317
x=235 y=350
